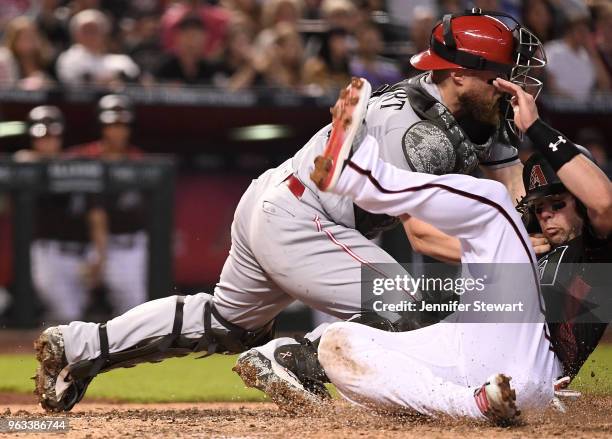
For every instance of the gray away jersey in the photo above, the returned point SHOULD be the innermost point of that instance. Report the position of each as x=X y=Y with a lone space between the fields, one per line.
x=389 y=117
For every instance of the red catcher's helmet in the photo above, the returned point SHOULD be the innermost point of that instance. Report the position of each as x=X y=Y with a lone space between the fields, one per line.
x=480 y=40
x=486 y=37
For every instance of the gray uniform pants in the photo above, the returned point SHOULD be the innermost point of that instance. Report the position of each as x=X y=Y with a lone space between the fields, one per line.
x=283 y=249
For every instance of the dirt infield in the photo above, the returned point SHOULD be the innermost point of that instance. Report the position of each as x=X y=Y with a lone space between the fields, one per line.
x=589 y=417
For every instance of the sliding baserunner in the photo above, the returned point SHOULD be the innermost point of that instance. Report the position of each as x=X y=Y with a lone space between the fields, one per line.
x=454 y=367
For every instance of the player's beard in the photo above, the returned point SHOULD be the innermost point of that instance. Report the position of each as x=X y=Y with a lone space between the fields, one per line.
x=479 y=109
x=565 y=235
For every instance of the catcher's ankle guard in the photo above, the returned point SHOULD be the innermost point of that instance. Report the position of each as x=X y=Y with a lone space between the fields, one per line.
x=228 y=340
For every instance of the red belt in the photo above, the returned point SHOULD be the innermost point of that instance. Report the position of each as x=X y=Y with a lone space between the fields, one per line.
x=295 y=186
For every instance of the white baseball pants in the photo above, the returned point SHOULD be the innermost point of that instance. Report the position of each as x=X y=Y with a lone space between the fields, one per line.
x=283 y=249
x=436 y=369
x=125 y=272
x=58 y=278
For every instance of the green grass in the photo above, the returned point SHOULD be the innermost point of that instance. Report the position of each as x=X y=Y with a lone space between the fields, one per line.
x=176 y=379
x=211 y=379
x=595 y=377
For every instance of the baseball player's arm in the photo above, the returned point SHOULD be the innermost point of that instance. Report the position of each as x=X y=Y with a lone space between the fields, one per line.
x=97 y=220
x=511 y=177
x=428 y=240
x=581 y=176
x=591 y=186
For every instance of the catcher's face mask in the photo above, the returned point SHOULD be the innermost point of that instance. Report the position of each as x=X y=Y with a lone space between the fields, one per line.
x=486 y=40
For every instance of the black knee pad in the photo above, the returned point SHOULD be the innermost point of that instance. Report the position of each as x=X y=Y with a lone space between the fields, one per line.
x=232 y=339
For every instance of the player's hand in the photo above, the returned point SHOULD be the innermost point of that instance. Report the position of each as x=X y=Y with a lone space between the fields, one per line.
x=523 y=104
x=540 y=243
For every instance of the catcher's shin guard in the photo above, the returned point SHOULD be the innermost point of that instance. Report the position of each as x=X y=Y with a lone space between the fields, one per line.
x=229 y=339
x=150 y=350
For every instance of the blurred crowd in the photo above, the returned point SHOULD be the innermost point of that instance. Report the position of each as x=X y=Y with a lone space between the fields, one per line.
x=306 y=46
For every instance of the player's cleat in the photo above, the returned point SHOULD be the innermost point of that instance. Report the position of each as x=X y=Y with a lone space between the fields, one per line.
x=348 y=131
x=55 y=390
x=302 y=360
x=562 y=392
x=280 y=384
x=497 y=400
